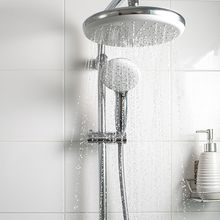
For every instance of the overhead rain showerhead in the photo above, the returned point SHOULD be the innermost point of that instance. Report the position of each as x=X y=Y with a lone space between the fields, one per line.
x=120 y=75
x=134 y=26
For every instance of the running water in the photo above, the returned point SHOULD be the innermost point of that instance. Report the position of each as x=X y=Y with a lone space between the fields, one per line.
x=77 y=150
x=133 y=34
x=148 y=109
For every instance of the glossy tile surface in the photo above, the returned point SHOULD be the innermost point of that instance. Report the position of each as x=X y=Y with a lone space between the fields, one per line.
x=198 y=48
x=31 y=105
x=31 y=34
x=80 y=104
x=195 y=103
x=148 y=109
x=145 y=162
x=81 y=178
x=31 y=177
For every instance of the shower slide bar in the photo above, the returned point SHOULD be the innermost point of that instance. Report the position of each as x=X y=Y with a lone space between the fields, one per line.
x=101 y=61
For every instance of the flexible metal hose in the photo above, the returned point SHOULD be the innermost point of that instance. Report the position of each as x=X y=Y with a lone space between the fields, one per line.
x=122 y=181
x=121 y=121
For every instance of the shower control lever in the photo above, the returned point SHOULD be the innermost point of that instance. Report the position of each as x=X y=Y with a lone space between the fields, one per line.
x=108 y=137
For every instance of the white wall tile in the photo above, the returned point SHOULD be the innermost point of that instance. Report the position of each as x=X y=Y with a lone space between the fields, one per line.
x=77 y=46
x=148 y=177
x=31 y=34
x=81 y=178
x=31 y=105
x=148 y=108
x=183 y=156
x=195 y=103
x=155 y=3
x=31 y=177
x=28 y=216
x=196 y=216
x=80 y=104
x=116 y=216
x=198 y=47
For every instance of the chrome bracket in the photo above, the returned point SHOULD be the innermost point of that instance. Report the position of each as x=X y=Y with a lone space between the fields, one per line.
x=198 y=196
x=107 y=137
x=90 y=64
x=133 y=2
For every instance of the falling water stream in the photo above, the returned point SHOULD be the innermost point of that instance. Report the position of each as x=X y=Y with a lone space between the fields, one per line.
x=148 y=124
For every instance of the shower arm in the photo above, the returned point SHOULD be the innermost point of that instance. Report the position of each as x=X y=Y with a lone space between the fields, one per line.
x=114 y=3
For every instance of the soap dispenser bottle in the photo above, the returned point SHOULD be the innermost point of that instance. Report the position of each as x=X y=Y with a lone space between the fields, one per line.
x=208 y=177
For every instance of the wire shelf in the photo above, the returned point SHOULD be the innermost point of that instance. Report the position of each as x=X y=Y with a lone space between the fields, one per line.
x=200 y=196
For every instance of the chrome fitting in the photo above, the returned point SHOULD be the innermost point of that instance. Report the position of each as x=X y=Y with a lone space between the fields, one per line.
x=133 y=2
x=108 y=137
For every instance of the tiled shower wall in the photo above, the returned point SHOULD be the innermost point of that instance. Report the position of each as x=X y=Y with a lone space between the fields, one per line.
x=47 y=104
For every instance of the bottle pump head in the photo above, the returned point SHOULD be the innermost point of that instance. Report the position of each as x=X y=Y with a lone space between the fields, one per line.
x=209 y=146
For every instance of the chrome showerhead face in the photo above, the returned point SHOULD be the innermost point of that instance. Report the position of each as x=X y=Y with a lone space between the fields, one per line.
x=120 y=75
x=134 y=26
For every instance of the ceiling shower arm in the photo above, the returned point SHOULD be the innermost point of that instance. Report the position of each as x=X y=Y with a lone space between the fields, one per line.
x=114 y=3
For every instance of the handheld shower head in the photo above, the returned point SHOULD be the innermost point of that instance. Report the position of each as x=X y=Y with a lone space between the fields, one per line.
x=121 y=75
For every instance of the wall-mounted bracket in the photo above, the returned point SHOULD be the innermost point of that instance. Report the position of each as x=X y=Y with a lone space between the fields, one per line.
x=199 y=196
x=108 y=137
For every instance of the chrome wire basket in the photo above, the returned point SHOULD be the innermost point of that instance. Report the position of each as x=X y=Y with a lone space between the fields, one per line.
x=199 y=196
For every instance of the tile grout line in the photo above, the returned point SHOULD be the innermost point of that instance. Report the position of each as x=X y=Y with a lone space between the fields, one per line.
x=196 y=70
x=96 y=212
x=64 y=107
x=147 y=70
x=128 y=142
x=189 y=0
x=171 y=128
x=34 y=70
x=171 y=125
